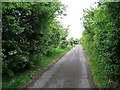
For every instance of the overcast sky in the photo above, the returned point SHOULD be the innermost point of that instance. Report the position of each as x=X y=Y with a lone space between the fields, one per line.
x=74 y=13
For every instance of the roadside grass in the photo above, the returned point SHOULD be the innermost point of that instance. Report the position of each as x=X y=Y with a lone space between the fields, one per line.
x=96 y=71
x=22 y=79
x=99 y=79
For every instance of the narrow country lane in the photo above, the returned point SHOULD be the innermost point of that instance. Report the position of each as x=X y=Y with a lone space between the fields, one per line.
x=71 y=71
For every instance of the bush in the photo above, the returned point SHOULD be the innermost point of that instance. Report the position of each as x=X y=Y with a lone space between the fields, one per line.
x=29 y=29
x=101 y=38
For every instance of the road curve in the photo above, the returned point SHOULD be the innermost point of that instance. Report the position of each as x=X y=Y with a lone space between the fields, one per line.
x=71 y=71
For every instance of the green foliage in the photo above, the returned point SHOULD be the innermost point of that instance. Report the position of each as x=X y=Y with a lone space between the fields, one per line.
x=101 y=39
x=24 y=78
x=29 y=28
x=64 y=42
x=73 y=42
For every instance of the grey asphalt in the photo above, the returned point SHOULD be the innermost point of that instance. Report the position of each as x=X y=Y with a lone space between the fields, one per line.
x=71 y=71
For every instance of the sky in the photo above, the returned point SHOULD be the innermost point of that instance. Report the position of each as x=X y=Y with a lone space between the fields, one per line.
x=74 y=13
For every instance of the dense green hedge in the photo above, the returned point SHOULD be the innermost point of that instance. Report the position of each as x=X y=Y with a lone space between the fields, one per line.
x=29 y=28
x=101 y=38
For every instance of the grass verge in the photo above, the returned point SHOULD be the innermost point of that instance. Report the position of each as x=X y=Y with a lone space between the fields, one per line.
x=98 y=75
x=99 y=79
x=22 y=79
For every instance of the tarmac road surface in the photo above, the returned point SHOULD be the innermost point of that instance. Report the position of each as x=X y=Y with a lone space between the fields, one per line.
x=71 y=71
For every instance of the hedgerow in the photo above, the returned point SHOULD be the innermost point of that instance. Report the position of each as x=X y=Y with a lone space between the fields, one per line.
x=29 y=28
x=101 y=38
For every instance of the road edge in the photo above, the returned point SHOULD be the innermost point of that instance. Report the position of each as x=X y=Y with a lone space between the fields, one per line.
x=38 y=74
